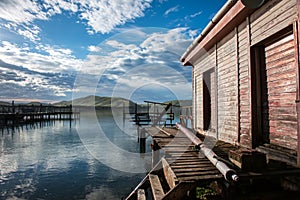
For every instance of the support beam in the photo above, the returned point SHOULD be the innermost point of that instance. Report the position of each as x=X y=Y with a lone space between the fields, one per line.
x=155 y=153
x=296 y=31
x=237 y=83
x=157 y=190
x=141 y=194
x=169 y=174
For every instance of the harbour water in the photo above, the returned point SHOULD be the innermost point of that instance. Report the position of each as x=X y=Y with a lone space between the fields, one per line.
x=60 y=160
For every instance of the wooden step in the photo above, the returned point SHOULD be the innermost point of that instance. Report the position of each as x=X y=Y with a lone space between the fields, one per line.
x=157 y=190
x=141 y=194
x=169 y=174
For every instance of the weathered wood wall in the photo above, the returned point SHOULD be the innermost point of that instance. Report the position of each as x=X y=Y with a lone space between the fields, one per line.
x=206 y=63
x=280 y=95
x=244 y=84
x=271 y=18
x=281 y=84
x=231 y=59
x=199 y=101
x=227 y=84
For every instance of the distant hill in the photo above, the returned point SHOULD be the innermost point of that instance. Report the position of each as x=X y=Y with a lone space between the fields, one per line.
x=101 y=102
x=4 y=103
x=97 y=101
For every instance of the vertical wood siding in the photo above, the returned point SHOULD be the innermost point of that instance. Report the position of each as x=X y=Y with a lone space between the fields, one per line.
x=227 y=93
x=244 y=84
x=281 y=84
x=264 y=23
x=205 y=63
x=199 y=101
x=213 y=101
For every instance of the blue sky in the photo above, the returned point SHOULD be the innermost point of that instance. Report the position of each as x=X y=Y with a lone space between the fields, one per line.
x=55 y=50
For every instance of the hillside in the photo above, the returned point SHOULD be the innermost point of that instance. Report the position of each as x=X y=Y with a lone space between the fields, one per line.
x=4 y=103
x=99 y=102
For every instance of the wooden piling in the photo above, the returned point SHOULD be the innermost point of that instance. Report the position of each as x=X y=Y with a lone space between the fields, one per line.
x=155 y=153
x=142 y=141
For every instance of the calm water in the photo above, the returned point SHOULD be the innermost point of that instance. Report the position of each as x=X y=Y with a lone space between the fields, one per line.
x=56 y=161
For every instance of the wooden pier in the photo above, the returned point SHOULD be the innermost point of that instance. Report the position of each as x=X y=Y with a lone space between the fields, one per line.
x=151 y=114
x=16 y=115
x=181 y=171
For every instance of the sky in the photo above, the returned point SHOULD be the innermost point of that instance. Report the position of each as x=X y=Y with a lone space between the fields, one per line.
x=54 y=50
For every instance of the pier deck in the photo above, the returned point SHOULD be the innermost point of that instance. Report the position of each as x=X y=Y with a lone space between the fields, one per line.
x=14 y=116
x=185 y=160
x=181 y=171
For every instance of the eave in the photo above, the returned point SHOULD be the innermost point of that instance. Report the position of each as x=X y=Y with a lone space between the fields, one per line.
x=231 y=15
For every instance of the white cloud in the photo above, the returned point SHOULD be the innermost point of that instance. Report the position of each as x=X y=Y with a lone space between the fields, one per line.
x=105 y=15
x=196 y=14
x=44 y=58
x=24 y=11
x=193 y=33
x=93 y=48
x=153 y=59
x=153 y=54
x=30 y=32
x=173 y=9
x=100 y=15
x=172 y=41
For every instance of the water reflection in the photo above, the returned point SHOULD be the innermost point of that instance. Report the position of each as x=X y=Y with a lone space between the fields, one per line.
x=50 y=162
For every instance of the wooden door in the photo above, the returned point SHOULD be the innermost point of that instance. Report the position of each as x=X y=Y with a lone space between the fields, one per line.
x=279 y=116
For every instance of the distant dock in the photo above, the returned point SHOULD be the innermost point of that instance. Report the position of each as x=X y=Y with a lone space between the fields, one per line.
x=12 y=116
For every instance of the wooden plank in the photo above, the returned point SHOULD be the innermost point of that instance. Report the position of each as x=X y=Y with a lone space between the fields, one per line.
x=197 y=173
x=190 y=166
x=169 y=174
x=296 y=31
x=180 y=191
x=278 y=155
x=188 y=161
x=181 y=155
x=164 y=131
x=195 y=169
x=280 y=56
x=238 y=124
x=274 y=16
x=141 y=194
x=202 y=177
x=172 y=160
x=157 y=190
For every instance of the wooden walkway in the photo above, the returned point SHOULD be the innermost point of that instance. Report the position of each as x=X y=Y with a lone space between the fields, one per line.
x=186 y=162
x=180 y=170
x=177 y=166
x=14 y=116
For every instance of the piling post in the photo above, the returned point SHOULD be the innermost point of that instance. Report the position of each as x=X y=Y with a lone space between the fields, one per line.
x=13 y=106
x=142 y=141
x=155 y=153
x=124 y=114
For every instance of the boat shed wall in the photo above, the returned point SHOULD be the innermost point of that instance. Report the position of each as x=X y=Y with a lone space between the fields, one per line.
x=226 y=53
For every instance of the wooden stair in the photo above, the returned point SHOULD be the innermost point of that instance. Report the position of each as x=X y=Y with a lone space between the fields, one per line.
x=156 y=187
x=162 y=172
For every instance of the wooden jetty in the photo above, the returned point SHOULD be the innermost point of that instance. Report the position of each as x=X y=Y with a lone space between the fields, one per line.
x=153 y=114
x=16 y=115
x=182 y=171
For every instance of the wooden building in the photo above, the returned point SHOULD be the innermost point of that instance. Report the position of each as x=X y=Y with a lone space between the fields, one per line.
x=246 y=98
x=246 y=77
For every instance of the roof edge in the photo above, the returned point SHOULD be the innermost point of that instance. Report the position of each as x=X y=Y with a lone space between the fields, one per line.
x=227 y=6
